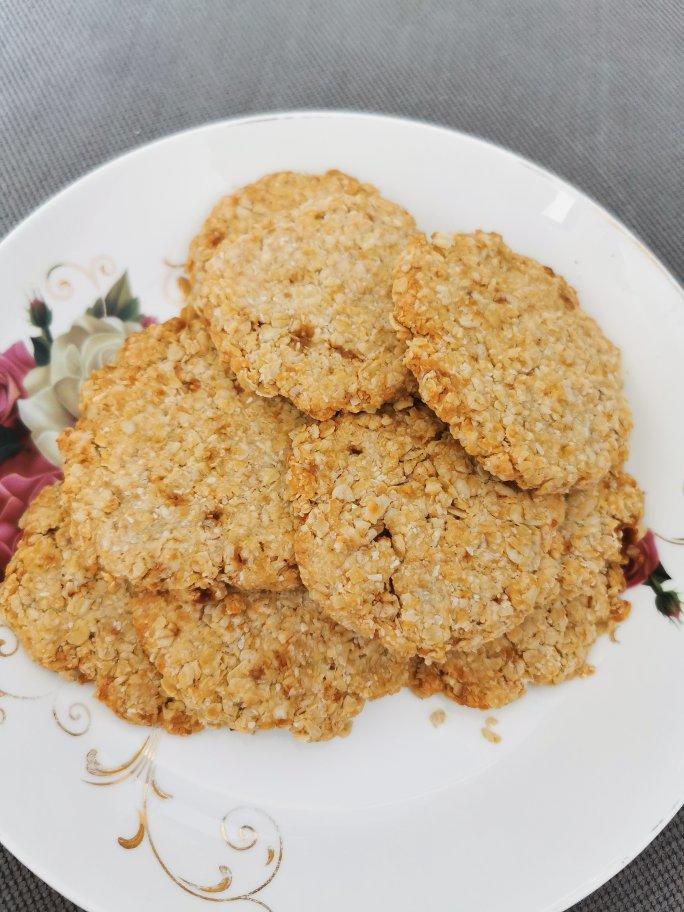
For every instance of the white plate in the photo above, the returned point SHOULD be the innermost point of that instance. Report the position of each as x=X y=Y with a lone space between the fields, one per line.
x=400 y=815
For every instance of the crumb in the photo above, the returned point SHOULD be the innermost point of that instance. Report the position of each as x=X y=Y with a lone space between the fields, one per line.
x=438 y=717
x=491 y=735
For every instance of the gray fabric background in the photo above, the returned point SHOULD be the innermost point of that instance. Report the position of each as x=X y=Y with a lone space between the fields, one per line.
x=593 y=89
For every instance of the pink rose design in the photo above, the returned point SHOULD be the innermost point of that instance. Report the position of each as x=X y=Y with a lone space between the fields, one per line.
x=21 y=478
x=643 y=559
x=15 y=363
x=644 y=566
x=148 y=321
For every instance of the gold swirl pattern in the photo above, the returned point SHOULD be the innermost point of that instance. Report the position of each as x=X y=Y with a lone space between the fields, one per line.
x=7 y=649
x=246 y=834
x=131 y=767
x=671 y=541
x=236 y=833
x=14 y=696
x=134 y=841
x=60 y=284
x=78 y=714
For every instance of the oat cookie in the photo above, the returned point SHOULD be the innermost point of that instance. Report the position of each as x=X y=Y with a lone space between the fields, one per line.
x=553 y=643
x=261 y=660
x=403 y=536
x=302 y=306
x=175 y=474
x=252 y=206
x=72 y=620
x=504 y=354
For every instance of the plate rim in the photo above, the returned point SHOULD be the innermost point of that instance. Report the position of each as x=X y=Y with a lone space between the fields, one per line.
x=614 y=866
x=341 y=113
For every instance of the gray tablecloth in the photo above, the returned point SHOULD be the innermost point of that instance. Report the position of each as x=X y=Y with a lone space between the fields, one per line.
x=592 y=89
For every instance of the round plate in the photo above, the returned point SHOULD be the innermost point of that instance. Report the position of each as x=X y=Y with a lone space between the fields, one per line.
x=400 y=815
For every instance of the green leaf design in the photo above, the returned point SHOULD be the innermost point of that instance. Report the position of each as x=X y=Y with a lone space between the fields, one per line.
x=118 y=294
x=98 y=309
x=119 y=301
x=40 y=316
x=660 y=575
x=41 y=350
x=10 y=443
x=130 y=310
x=669 y=604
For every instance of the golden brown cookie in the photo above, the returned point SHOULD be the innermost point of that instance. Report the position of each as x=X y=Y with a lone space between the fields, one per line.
x=252 y=206
x=301 y=307
x=72 y=620
x=262 y=660
x=504 y=354
x=175 y=474
x=552 y=644
x=404 y=537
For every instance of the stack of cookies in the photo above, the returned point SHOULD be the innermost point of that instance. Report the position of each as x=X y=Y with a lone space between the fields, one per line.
x=358 y=460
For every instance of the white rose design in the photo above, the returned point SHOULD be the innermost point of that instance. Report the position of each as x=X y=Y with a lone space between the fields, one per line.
x=53 y=390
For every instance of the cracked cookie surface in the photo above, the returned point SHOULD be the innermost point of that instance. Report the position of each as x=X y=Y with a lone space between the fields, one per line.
x=263 y=660
x=504 y=354
x=302 y=306
x=553 y=643
x=73 y=620
x=404 y=537
x=175 y=474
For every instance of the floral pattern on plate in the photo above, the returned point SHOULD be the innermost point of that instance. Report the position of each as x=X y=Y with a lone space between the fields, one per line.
x=39 y=394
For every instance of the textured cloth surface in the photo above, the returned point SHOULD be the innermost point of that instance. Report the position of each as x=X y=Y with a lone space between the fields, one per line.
x=593 y=89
